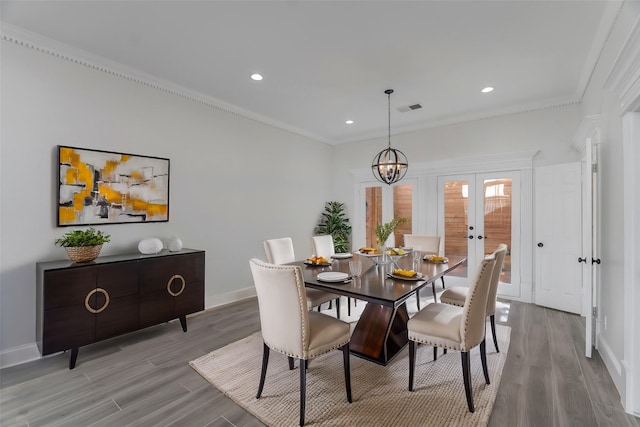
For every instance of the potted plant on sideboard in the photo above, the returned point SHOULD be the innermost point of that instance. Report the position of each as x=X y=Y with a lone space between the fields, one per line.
x=83 y=245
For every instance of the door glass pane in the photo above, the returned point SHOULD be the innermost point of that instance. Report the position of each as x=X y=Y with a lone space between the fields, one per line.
x=402 y=199
x=456 y=222
x=373 y=200
x=497 y=220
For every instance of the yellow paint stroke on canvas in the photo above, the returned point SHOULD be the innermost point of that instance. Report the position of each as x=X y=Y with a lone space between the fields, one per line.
x=70 y=176
x=67 y=155
x=153 y=210
x=78 y=173
x=137 y=176
x=67 y=215
x=110 y=194
x=109 y=170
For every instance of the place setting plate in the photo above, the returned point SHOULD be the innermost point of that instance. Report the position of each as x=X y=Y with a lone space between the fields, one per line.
x=441 y=260
x=322 y=264
x=412 y=279
x=342 y=256
x=333 y=277
x=369 y=255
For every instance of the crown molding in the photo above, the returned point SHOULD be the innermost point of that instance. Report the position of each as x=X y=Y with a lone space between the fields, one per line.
x=31 y=40
x=624 y=77
x=589 y=128
x=545 y=104
x=602 y=33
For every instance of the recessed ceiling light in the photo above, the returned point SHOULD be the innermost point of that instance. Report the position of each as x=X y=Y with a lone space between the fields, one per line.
x=349 y=122
x=487 y=89
x=257 y=77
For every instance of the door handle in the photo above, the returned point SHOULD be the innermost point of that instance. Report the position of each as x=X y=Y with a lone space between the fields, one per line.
x=595 y=261
x=540 y=244
x=482 y=237
x=470 y=236
x=580 y=259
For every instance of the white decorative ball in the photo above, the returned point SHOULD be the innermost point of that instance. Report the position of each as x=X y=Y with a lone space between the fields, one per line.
x=175 y=244
x=151 y=245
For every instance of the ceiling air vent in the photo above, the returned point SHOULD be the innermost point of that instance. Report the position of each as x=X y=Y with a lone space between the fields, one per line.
x=406 y=108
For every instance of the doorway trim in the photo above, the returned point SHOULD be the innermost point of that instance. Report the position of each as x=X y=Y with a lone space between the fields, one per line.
x=623 y=81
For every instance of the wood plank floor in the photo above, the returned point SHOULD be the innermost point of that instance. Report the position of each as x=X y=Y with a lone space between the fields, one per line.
x=143 y=378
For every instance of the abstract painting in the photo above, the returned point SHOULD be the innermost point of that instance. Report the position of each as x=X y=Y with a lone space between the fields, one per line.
x=102 y=187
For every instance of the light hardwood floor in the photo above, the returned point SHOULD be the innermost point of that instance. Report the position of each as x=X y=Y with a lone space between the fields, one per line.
x=143 y=378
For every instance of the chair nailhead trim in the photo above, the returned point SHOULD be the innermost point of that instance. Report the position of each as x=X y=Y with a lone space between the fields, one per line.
x=470 y=299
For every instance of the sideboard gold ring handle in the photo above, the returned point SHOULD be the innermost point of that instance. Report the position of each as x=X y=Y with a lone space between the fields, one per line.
x=175 y=294
x=101 y=309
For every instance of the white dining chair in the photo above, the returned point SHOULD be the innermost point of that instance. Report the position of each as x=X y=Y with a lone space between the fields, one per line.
x=455 y=328
x=428 y=245
x=323 y=246
x=458 y=294
x=288 y=327
x=280 y=251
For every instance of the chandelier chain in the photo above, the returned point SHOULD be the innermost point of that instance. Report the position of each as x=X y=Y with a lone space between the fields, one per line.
x=389 y=110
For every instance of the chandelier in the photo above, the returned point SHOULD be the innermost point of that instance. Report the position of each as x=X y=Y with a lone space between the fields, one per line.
x=389 y=165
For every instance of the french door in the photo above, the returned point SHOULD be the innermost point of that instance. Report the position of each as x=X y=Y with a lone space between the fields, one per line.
x=477 y=212
x=380 y=204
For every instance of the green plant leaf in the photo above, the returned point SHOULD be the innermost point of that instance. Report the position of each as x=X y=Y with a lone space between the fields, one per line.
x=335 y=223
x=88 y=237
x=383 y=231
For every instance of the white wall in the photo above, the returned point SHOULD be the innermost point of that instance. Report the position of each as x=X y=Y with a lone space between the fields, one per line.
x=549 y=131
x=234 y=181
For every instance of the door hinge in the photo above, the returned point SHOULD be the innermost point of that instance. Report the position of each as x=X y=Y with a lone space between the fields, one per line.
x=594 y=311
x=594 y=168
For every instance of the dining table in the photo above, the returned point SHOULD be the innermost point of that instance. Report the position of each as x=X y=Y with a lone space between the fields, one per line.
x=381 y=331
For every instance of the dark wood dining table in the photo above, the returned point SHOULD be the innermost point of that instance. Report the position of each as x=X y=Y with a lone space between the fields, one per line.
x=381 y=331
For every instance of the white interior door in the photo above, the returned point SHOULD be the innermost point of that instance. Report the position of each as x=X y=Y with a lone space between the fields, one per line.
x=558 y=231
x=590 y=259
x=477 y=212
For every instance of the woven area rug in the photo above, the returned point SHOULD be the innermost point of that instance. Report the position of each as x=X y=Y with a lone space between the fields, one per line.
x=380 y=395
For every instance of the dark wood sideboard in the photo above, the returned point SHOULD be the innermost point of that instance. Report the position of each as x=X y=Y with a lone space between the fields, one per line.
x=82 y=303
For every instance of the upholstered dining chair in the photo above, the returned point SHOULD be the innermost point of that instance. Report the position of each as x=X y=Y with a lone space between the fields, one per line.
x=288 y=327
x=458 y=294
x=455 y=328
x=428 y=245
x=323 y=246
x=280 y=251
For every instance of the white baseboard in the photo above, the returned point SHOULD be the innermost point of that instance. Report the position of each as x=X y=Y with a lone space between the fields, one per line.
x=19 y=354
x=229 y=298
x=614 y=366
x=28 y=352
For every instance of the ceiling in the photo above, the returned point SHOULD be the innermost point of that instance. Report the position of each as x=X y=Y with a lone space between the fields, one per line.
x=325 y=62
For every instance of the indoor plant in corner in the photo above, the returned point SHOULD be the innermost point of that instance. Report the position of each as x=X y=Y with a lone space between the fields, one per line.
x=83 y=245
x=335 y=222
